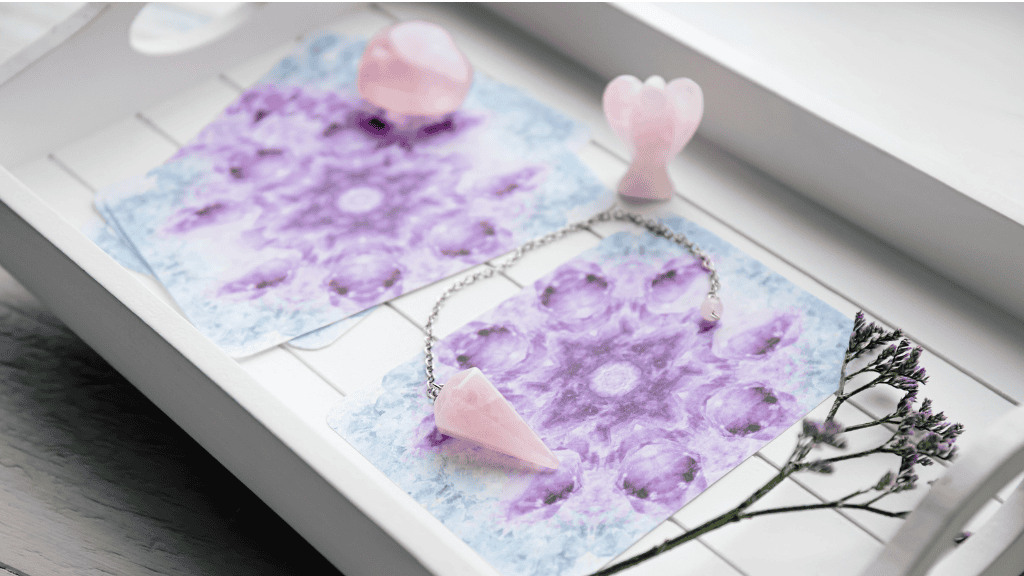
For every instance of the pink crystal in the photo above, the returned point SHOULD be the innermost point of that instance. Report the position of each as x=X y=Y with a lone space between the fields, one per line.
x=711 y=309
x=655 y=120
x=414 y=69
x=469 y=407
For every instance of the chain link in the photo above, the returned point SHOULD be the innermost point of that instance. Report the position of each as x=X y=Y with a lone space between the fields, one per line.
x=613 y=213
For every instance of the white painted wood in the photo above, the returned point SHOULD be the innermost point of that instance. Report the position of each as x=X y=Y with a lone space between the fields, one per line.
x=900 y=68
x=247 y=73
x=94 y=76
x=364 y=354
x=465 y=305
x=989 y=510
x=291 y=381
x=1004 y=494
x=996 y=549
x=536 y=264
x=125 y=149
x=360 y=22
x=70 y=198
x=692 y=558
x=62 y=192
x=28 y=31
x=149 y=35
x=363 y=23
x=182 y=116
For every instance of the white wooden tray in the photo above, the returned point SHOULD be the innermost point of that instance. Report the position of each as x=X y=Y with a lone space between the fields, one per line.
x=263 y=416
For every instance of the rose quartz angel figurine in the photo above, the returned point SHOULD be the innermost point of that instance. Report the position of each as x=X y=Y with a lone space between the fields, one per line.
x=414 y=69
x=655 y=120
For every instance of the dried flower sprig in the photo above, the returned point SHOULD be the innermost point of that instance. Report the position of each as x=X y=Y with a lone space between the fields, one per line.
x=919 y=436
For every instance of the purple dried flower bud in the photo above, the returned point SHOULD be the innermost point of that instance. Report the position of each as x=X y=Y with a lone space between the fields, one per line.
x=824 y=433
x=909 y=459
x=905 y=383
x=929 y=442
x=906 y=402
x=812 y=429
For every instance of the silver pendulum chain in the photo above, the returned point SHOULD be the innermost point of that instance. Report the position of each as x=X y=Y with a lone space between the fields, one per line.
x=613 y=213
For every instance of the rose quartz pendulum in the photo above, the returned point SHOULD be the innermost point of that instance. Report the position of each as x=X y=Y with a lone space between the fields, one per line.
x=655 y=120
x=470 y=408
x=414 y=69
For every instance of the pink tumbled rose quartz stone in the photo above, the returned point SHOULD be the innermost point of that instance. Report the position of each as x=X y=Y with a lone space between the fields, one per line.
x=470 y=408
x=414 y=69
x=654 y=120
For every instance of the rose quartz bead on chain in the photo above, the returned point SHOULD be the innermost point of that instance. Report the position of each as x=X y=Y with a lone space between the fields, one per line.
x=654 y=120
x=414 y=69
x=711 y=308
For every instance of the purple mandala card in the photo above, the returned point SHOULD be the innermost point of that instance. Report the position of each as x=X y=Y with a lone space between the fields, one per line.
x=643 y=403
x=300 y=206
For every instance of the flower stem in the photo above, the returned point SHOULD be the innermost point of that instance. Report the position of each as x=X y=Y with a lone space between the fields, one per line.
x=729 y=517
x=880 y=422
x=896 y=367
x=825 y=506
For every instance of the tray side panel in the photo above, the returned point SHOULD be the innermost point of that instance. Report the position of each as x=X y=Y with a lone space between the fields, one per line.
x=329 y=521
x=831 y=157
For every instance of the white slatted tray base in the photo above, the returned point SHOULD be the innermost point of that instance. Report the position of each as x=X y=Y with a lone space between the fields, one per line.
x=974 y=356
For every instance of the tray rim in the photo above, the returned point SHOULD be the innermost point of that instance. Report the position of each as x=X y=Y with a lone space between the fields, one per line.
x=317 y=482
x=827 y=154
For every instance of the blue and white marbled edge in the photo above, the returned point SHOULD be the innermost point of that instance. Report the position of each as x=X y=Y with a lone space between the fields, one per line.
x=109 y=237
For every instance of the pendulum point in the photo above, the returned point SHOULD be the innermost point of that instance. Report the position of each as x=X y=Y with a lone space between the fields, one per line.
x=470 y=408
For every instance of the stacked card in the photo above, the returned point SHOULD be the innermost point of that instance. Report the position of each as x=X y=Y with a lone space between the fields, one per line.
x=302 y=205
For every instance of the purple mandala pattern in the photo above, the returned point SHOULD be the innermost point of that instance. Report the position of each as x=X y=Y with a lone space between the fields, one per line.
x=644 y=404
x=316 y=181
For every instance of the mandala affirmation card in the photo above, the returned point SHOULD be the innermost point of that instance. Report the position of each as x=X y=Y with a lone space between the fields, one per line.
x=301 y=205
x=644 y=403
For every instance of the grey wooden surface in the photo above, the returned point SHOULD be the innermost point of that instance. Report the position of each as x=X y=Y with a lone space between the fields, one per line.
x=94 y=479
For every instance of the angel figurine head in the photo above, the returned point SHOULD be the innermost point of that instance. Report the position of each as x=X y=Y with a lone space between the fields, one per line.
x=655 y=120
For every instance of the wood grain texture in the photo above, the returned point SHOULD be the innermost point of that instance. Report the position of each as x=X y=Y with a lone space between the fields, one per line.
x=94 y=479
